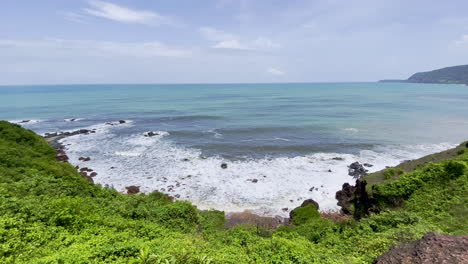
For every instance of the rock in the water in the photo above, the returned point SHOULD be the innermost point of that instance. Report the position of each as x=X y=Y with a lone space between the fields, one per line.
x=337 y=158
x=93 y=174
x=224 y=166
x=368 y=165
x=254 y=180
x=24 y=121
x=84 y=159
x=132 y=189
x=122 y=121
x=431 y=248
x=357 y=170
x=151 y=134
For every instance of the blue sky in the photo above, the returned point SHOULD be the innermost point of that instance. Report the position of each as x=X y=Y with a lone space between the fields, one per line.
x=219 y=41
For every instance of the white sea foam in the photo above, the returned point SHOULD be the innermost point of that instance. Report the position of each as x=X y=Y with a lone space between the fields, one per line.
x=155 y=163
x=26 y=121
x=351 y=129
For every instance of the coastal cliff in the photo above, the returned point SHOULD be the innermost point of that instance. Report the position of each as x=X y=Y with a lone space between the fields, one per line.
x=49 y=213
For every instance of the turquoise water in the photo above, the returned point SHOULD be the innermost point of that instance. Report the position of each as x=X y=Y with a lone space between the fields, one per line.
x=253 y=118
x=281 y=130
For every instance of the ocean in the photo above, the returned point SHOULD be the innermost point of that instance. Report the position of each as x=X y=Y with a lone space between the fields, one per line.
x=282 y=143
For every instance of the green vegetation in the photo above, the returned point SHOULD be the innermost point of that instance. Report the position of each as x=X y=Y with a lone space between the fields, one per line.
x=50 y=214
x=448 y=75
x=455 y=75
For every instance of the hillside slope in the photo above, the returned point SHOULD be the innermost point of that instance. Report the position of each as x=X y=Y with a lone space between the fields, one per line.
x=51 y=214
x=449 y=75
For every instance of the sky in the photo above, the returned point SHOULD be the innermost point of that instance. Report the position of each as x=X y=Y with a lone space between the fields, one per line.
x=227 y=41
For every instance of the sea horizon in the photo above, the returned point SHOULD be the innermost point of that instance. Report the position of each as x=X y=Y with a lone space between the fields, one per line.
x=281 y=142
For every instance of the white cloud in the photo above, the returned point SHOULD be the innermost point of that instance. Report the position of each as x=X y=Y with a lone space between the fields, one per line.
x=225 y=40
x=74 y=17
x=216 y=35
x=276 y=72
x=264 y=43
x=123 y=14
x=462 y=41
x=230 y=44
x=67 y=48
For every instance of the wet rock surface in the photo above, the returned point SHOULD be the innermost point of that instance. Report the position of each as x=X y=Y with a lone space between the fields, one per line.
x=432 y=248
x=357 y=170
x=151 y=134
x=132 y=189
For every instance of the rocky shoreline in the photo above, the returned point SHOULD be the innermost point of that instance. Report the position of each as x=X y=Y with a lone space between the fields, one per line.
x=354 y=200
x=355 y=170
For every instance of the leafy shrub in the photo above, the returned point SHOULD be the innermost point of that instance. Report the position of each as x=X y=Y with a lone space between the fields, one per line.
x=50 y=214
x=304 y=214
x=392 y=172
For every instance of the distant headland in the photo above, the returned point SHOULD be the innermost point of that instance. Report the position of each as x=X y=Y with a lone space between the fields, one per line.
x=448 y=75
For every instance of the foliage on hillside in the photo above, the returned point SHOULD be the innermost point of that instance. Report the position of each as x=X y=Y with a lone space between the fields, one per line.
x=455 y=74
x=50 y=214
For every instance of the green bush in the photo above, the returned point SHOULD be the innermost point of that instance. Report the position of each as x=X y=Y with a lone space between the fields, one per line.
x=304 y=214
x=392 y=172
x=50 y=214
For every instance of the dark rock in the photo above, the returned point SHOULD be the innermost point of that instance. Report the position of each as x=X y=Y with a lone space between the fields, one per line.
x=354 y=200
x=93 y=174
x=109 y=123
x=329 y=170
x=62 y=157
x=151 y=134
x=132 y=189
x=431 y=248
x=224 y=166
x=84 y=159
x=84 y=174
x=357 y=170
x=24 y=121
x=177 y=196
x=122 y=121
x=337 y=158
x=185 y=159
x=310 y=201
x=254 y=180
x=285 y=209
x=368 y=165
x=311 y=189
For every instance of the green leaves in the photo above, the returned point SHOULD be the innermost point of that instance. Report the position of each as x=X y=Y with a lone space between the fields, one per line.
x=50 y=214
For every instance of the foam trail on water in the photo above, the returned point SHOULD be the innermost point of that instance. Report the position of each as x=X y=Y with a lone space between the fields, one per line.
x=155 y=163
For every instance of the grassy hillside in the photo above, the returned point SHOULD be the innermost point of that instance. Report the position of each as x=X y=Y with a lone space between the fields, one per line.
x=50 y=214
